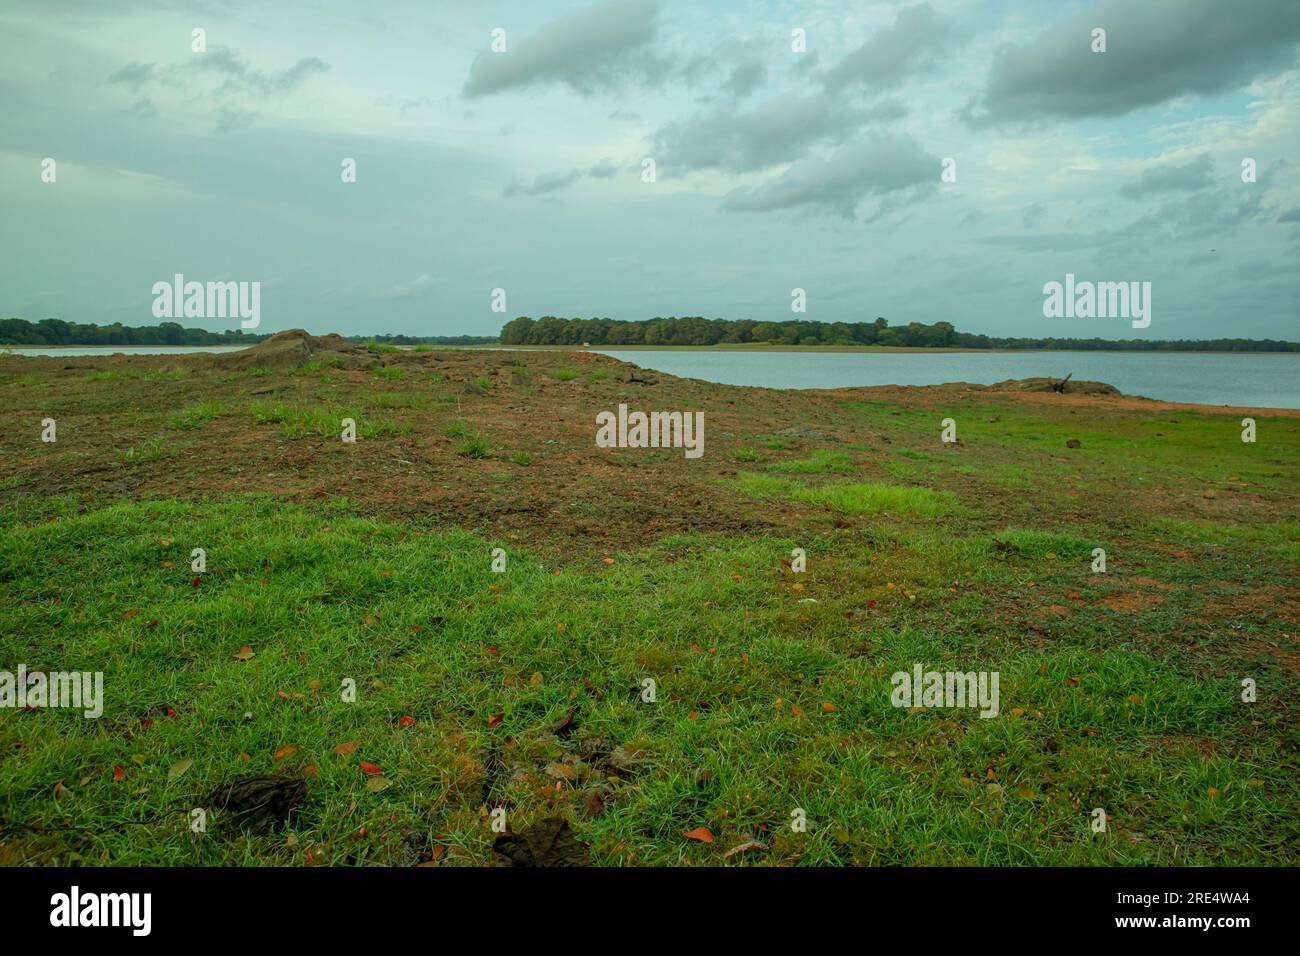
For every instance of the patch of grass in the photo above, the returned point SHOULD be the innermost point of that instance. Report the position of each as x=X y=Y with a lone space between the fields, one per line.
x=522 y=458
x=564 y=375
x=149 y=450
x=320 y=420
x=598 y=375
x=1029 y=543
x=458 y=428
x=483 y=382
x=821 y=462
x=746 y=455
x=851 y=497
x=192 y=416
x=381 y=348
x=390 y=372
x=473 y=444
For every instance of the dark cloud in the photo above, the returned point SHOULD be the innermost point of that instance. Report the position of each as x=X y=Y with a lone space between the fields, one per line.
x=134 y=74
x=602 y=170
x=1189 y=177
x=1155 y=50
x=241 y=78
x=891 y=169
x=745 y=78
x=914 y=40
x=774 y=132
x=597 y=49
x=543 y=184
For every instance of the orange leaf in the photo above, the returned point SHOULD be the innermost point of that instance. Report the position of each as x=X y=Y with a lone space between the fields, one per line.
x=370 y=768
x=609 y=560
x=288 y=750
x=344 y=749
x=495 y=719
x=310 y=770
x=245 y=653
x=701 y=834
x=406 y=722
x=829 y=708
x=119 y=772
x=280 y=693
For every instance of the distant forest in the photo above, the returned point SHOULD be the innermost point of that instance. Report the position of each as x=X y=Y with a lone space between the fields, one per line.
x=59 y=332
x=694 y=330
x=689 y=330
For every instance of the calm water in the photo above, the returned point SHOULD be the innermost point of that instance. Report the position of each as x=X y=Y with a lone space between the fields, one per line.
x=1266 y=380
x=75 y=350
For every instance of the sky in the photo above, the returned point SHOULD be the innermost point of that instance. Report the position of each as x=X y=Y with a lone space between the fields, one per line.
x=795 y=145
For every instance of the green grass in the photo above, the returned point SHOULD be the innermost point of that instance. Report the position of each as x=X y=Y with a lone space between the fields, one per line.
x=564 y=375
x=390 y=372
x=851 y=497
x=821 y=462
x=490 y=665
x=192 y=416
x=318 y=420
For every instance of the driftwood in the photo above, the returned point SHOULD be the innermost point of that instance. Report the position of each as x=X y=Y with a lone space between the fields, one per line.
x=1059 y=387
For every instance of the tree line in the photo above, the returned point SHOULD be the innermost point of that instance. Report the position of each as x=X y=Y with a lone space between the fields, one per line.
x=59 y=332
x=695 y=330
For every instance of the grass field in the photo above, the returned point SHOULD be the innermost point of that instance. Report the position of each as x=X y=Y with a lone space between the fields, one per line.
x=332 y=566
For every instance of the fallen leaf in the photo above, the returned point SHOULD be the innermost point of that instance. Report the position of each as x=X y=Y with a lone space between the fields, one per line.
x=406 y=722
x=702 y=834
x=344 y=749
x=310 y=770
x=119 y=773
x=595 y=804
x=609 y=560
x=494 y=720
x=376 y=784
x=370 y=768
x=288 y=750
x=1017 y=711
x=178 y=768
x=280 y=693
x=245 y=654
x=828 y=707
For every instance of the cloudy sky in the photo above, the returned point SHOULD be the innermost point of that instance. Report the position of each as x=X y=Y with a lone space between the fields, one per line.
x=774 y=169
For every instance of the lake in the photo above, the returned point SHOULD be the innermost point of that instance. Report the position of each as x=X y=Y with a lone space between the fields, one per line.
x=1268 y=380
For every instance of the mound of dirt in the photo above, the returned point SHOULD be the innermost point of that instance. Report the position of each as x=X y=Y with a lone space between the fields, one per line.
x=1072 y=387
x=290 y=349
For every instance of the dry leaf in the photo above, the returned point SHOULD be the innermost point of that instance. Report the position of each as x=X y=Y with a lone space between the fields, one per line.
x=178 y=768
x=701 y=834
x=370 y=768
x=119 y=772
x=288 y=750
x=376 y=784
x=344 y=749
x=494 y=720
x=406 y=722
x=829 y=708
